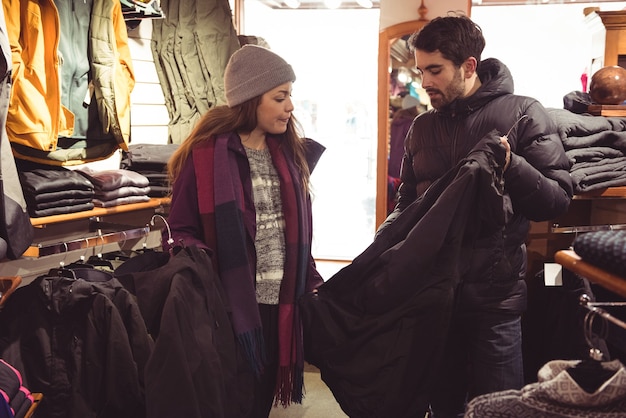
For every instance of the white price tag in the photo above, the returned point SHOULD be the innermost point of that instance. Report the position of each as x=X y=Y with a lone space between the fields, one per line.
x=553 y=274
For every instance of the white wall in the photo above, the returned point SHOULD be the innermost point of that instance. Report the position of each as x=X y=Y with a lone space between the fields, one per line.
x=397 y=11
x=546 y=47
x=149 y=117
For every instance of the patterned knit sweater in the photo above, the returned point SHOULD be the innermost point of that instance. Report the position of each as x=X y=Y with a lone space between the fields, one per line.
x=556 y=394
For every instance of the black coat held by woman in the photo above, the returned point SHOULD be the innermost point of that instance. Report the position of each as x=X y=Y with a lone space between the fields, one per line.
x=376 y=328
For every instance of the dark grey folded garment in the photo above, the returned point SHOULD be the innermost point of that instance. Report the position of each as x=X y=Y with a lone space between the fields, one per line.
x=60 y=210
x=56 y=196
x=61 y=203
x=147 y=157
x=43 y=180
x=605 y=249
x=107 y=180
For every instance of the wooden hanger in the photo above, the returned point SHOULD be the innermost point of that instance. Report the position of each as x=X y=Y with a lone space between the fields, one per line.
x=8 y=284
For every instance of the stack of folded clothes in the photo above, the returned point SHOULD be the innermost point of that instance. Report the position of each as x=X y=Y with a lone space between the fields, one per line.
x=117 y=186
x=54 y=190
x=150 y=160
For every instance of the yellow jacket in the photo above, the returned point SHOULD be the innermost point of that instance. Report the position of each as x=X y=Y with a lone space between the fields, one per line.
x=36 y=116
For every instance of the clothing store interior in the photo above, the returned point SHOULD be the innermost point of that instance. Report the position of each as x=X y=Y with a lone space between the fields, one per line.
x=99 y=94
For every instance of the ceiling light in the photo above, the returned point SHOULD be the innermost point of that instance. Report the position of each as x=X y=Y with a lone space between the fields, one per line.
x=404 y=75
x=367 y=4
x=292 y=4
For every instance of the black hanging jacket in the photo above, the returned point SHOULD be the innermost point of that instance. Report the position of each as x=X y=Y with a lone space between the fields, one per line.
x=192 y=370
x=70 y=343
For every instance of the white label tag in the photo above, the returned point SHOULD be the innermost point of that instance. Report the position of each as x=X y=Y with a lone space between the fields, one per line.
x=553 y=274
x=88 y=94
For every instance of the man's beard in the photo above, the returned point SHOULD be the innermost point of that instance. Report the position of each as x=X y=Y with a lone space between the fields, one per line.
x=453 y=91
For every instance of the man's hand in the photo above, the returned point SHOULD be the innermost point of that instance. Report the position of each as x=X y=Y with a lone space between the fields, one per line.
x=507 y=159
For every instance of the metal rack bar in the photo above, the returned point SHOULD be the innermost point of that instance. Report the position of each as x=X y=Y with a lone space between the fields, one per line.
x=90 y=242
x=576 y=229
x=585 y=301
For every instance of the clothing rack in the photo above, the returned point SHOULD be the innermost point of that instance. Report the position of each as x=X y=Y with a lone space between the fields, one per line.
x=138 y=9
x=556 y=229
x=594 y=307
x=124 y=223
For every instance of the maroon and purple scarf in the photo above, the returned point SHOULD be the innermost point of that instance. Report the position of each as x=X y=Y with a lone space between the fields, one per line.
x=223 y=197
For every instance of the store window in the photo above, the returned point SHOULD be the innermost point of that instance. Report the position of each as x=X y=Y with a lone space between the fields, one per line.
x=334 y=55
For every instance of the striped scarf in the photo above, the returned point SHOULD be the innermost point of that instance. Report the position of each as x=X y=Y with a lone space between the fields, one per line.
x=223 y=196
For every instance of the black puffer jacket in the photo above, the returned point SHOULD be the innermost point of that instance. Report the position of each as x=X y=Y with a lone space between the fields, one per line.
x=537 y=183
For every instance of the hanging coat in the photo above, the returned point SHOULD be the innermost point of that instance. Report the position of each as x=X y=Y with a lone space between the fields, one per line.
x=192 y=370
x=16 y=231
x=70 y=342
x=41 y=128
x=36 y=116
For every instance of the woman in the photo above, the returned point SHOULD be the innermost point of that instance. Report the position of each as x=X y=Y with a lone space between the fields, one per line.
x=240 y=189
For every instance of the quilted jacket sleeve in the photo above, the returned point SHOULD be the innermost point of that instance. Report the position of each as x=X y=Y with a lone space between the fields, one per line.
x=538 y=179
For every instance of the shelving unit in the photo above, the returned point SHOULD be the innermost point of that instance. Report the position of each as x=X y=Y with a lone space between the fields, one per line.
x=607 y=110
x=599 y=209
x=100 y=232
x=67 y=237
x=615 y=41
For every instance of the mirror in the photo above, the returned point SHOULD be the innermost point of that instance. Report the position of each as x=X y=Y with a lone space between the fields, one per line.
x=388 y=48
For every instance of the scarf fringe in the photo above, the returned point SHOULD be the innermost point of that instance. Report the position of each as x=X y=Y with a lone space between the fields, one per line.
x=253 y=346
x=289 y=386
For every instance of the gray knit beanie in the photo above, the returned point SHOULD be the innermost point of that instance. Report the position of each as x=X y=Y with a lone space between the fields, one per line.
x=252 y=71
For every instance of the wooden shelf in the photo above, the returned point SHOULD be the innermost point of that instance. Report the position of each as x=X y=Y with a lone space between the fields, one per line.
x=572 y=261
x=607 y=110
x=154 y=202
x=600 y=209
x=8 y=284
x=609 y=192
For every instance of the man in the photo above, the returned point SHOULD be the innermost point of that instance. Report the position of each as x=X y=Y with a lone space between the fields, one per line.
x=470 y=99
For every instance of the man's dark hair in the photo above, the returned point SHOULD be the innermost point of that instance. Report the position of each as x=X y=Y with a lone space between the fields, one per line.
x=455 y=36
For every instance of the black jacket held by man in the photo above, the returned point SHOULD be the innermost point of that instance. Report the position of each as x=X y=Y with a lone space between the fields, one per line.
x=376 y=328
x=455 y=241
